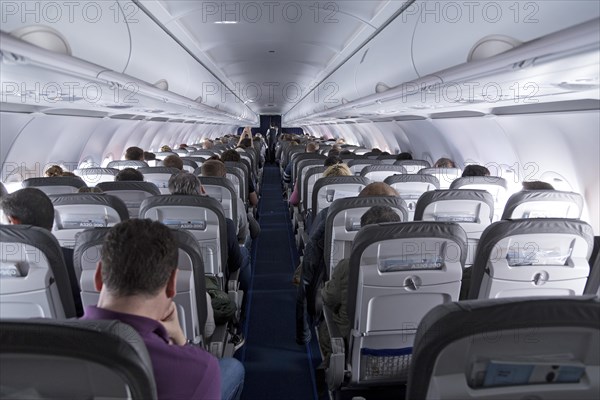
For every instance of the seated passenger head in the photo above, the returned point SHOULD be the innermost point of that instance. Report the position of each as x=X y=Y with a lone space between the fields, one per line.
x=345 y=152
x=475 y=170
x=444 y=163
x=245 y=143
x=333 y=152
x=207 y=144
x=537 y=185
x=332 y=160
x=375 y=150
x=134 y=153
x=404 y=156
x=69 y=173
x=185 y=183
x=87 y=189
x=173 y=161
x=213 y=168
x=54 y=170
x=378 y=215
x=165 y=148
x=28 y=206
x=312 y=147
x=149 y=156
x=231 y=155
x=337 y=170
x=183 y=146
x=378 y=189
x=129 y=174
x=139 y=258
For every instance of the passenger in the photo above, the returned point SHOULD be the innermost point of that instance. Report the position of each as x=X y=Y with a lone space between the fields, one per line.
x=137 y=278
x=129 y=174
x=313 y=263
x=173 y=161
x=475 y=170
x=134 y=153
x=287 y=174
x=404 y=156
x=207 y=144
x=217 y=169
x=246 y=134
x=183 y=146
x=333 y=153
x=537 y=185
x=54 y=170
x=185 y=183
x=232 y=155
x=148 y=156
x=86 y=189
x=374 y=152
x=444 y=163
x=335 y=292
x=165 y=148
x=340 y=169
x=69 y=173
x=31 y=206
x=332 y=160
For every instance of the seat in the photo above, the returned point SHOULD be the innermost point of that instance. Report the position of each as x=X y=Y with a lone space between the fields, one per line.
x=495 y=185
x=159 y=176
x=389 y=159
x=593 y=283
x=242 y=173
x=76 y=212
x=326 y=190
x=161 y=155
x=356 y=165
x=236 y=177
x=413 y=166
x=203 y=217
x=471 y=209
x=543 y=204
x=189 y=164
x=343 y=222
x=378 y=173
x=222 y=190
x=190 y=294
x=497 y=349
x=445 y=176
x=34 y=281
x=132 y=193
x=180 y=152
x=532 y=257
x=122 y=164
x=47 y=359
x=396 y=269
x=3 y=191
x=312 y=175
x=55 y=184
x=300 y=159
x=410 y=187
x=94 y=176
x=202 y=153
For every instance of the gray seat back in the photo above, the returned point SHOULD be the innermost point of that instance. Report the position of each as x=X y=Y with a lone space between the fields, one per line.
x=132 y=193
x=73 y=213
x=471 y=209
x=343 y=223
x=74 y=360
x=495 y=185
x=94 y=176
x=122 y=164
x=356 y=165
x=397 y=273
x=326 y=190
x=410 y=187
x=55 y=184
x=378 y=173
x=222 y=190
x=496 y=349
x=159 y=176
x=311 y=176
x=34 y=281
x=445 y=176
x=532 y=257
x=413 y=166
x=543 y=204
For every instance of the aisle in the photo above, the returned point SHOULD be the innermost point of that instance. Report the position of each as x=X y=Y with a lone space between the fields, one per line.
x=276 y=367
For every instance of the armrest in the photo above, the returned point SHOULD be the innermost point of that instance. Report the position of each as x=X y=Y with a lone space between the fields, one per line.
x=336 y=370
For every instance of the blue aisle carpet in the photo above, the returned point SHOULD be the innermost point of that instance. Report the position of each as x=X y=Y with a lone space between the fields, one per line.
x=276 y=367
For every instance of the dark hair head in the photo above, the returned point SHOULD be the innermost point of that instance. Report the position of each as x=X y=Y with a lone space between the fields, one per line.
x=378 y=215
x=378 y=189
x=332 y=160
x=333 y=152
x=444 y=163
x=231 y=155
x=537 y=185
x=213 y=168
x=129 y=174
x=148 y=156
x=87 y=189
x=68 y=173
x=475 y=170
x=54 y=170
x=138 y=257
x=185 y=183
x=245 y=143
x=173 y=161
x=134 y=153
x=404 y=156
x=30 y=206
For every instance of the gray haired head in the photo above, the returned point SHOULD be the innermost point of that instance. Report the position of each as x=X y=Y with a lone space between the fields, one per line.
x=185 y=183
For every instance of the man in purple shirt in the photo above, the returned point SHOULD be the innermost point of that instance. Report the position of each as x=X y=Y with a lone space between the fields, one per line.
x=137 y=278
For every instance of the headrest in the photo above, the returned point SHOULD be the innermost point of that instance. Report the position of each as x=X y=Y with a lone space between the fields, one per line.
x=530 y=196
x=54 y=181
x=159 y=170
x=174 y=200
x=349 y=203
x=121 y=164
x=434 y=196
x=217 y=181
x=418 y=163
x=397 y=169
x=424 y=178
x=148 y=187
x=478 y=180
x=101 y=199
x=362 y=161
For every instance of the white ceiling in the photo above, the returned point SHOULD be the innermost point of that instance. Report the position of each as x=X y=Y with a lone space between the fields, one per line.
x=277 y=51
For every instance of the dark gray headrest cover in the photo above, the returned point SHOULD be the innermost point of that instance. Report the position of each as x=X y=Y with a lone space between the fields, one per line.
x=129 y=185
x=424 y=178
x=526 y=196
x=478 y=180
x=453 y=194
x=92 y=198
x=55 y=181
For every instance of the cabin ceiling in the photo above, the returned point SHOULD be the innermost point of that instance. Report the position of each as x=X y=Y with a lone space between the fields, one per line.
x=271 y=53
